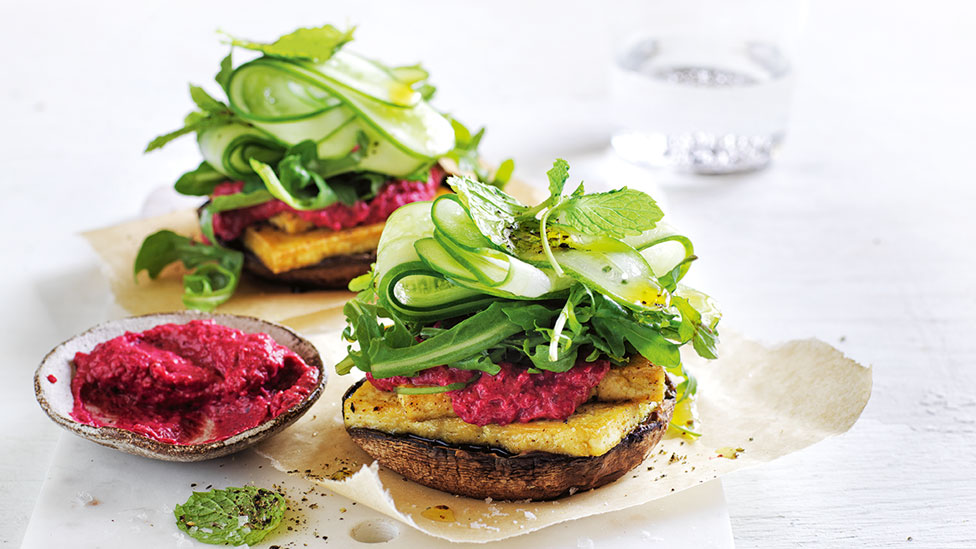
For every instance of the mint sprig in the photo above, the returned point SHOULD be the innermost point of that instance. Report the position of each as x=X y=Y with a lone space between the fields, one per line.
x=234 y=516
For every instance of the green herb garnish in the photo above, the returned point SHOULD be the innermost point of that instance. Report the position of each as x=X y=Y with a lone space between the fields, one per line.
x=233 y=516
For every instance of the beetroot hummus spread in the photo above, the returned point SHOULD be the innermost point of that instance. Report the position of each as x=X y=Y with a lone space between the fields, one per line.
x=230 y=224
x=188 y=383
x=513 y=394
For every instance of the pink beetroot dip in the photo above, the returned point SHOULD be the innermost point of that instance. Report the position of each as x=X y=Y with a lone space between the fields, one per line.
x=230 y=224
x=512 y=395
x=188 y=383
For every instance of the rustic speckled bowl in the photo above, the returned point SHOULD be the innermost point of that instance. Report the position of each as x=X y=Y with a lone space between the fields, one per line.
x=57 y=401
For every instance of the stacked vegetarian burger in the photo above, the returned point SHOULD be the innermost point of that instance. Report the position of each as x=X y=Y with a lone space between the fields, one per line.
x=518 y=352
x=313 y=149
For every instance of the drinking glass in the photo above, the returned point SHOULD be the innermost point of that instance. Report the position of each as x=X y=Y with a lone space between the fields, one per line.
x=707 y=87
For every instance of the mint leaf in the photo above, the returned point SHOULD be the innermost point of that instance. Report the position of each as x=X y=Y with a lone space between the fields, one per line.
x=314 y=44
x=233 y=516
x=615 y=213
x=492 y=210
x=557 y=178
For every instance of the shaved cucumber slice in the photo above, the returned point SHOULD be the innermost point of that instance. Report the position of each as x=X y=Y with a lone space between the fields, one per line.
x=296 y=100
x=489 y=267
x=452 y=219
x=618 y=270
x=437 y=258
x=228 y=149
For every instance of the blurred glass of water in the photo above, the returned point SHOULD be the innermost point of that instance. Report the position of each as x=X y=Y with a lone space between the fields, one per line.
x=702 y=106
x=702 y=86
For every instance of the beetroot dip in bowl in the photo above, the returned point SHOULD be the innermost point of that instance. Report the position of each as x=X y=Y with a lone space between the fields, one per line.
x=183 y=386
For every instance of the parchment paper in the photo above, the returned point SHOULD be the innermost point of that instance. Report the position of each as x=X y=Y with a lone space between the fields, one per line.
x=756 y=401
x=767 y=402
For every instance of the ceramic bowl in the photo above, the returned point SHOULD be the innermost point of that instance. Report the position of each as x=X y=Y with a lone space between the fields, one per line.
x=57 y=401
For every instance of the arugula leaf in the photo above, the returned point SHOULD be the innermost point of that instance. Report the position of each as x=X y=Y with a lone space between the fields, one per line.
x=352 y=187
x=316 y=44
x=469 y=337
x=297 y=182
x=465 y=154
x=215 y=270
x=539 y=355
x=213 y=113
x=615 y=213
x=558 y=175
x=205 y=102
x=531 y=316
x=201 y=181
x=695 y=326
x=226 y=70
x=361 y=282
x=237 y=201
x=503 y=174
x=233 y=516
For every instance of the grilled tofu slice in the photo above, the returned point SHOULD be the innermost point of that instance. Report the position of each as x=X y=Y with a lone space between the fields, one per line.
x=592 y=430
x=424 y=407
x=290 y=223
x=595 y=427
x=638 y=380
x=281 y=251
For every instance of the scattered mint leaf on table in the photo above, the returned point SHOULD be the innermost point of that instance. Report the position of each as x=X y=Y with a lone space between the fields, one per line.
x=233 y=516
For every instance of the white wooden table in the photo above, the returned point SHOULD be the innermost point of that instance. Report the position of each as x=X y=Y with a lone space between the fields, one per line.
x=862 y=234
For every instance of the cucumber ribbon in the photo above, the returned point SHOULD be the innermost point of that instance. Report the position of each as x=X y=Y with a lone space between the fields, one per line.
x=433 y=263
x=281 y=102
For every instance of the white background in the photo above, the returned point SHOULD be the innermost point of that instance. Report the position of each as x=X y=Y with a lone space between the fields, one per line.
x=861 y=234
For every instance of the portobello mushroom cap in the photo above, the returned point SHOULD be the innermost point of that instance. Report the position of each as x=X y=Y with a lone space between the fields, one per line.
x=332 y=273
x=487 y=472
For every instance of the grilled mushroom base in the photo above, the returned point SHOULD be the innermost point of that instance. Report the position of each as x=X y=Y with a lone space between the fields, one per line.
x=332 y=273
x=484 y=472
